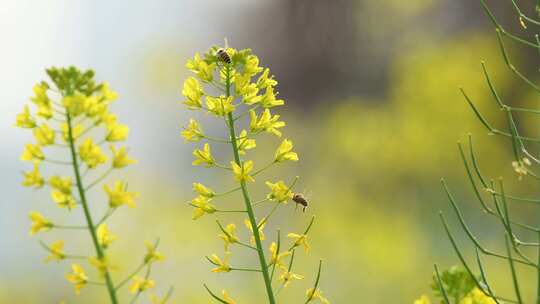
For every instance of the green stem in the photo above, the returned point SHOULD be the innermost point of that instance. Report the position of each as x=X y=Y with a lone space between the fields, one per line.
x=99 y=251
x=247 y=201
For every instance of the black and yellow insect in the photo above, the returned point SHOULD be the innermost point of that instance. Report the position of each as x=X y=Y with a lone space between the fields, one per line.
x=223 y=56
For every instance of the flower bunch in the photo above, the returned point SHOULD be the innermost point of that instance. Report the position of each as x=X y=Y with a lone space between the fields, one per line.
x=71 y=116
x=230 y=85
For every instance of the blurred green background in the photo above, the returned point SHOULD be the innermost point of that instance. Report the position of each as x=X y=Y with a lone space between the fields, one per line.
x=372 y=104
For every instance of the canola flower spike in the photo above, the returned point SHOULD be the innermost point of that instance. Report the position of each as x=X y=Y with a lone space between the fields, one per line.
x=65 y=122
x=243 y=86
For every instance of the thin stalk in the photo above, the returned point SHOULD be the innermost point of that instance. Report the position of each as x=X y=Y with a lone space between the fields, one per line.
x=82 y=194
x=247 y=200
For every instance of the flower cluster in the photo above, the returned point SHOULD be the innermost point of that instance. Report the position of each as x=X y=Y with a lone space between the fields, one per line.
x=71 y=116
x=233 y=90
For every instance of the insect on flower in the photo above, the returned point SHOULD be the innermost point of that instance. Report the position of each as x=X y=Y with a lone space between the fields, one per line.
x=300 y=199
x=223 y=56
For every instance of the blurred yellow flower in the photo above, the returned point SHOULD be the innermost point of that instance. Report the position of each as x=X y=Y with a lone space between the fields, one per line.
x=230 y=236
x=77 y=277
x=105 y=238
x=203 y=190
x=91 y=154
x=202 y=206
x=316 y=295
x=275 y=257
x=261 y=226
x=299 y=239
x=75 y=104
x=32 y=153
x=279 y=191
x=57 y=251
x=108 y=94
x=42 y=101
x=75 y=130
x=116 y=132
x=141 y=284
x=61 y=191
x=193 y=92
x=424 y=299
x=266 y=122
x=39 y=223
x=476 y=296
x=287 y=276
x=222 y=266
x=152 y=255
x=203 y=156
x=118 y=195
x=102 y=265
x=33 y=178
x=284 y=152
x=25 y=119
x=120 y=157
x=193 y=132
x=44 y=135
x=242 y=173
x=244 y=143
x=227 y=298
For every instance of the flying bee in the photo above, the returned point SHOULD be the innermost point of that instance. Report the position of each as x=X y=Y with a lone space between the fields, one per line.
x=299 y=199
x=223 y=56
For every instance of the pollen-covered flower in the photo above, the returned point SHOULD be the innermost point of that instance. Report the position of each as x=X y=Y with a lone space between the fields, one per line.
x=62 y=191
x=77 y=277
x=152 y=255
x=227 y=298
x=229 y=236
x=32 y=153
x=287 y=276
x=277 y=257
x=204 y=156
x=261 y=225
x=33 y=178
x=44 y=135
x=193 y=132
x=39 y=223
x=244 y=143
x=222 y=265
x=116 y=132
x=118 y=195
x=284 y=152
x=202 y=206
x=241 y=173
x=57 y=251
x=193 y=92
x=220 y=106
x=120 y=157
x=266 y=122
x=279 y=192
x=141 y=284
x=203 y=190
x=299 y=239
x=91 y=154
x=25 y=119
x=104 y=236
x=317 y=294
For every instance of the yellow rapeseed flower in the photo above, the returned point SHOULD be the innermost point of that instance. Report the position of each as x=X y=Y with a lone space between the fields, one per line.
x=101 y=264
x=287 y=276
x=116 y=132
x=33 y=178
x=244 y=143
x=42 y=101
x=44 y=135
x=424 y=299
x=75 y=104
x=264 y=81
x=266 y=122
x=105 y=237
x=193 y=132
x=275 y=257
x=284 y=152
x=77 y=277
x=118 y=195
x=202 y=206
x=299 y=239
x=25 y=119
x=227 y=298
x=204 y=156
x=141 y=284
x=279 y=192
x=75 y=130
x=193 y=92
x=241 y=173
x=222 y=265
x=57 y=251
x=120 y=157
x=108 y=94
x=220 y=106
x=316 y=295
x=152 y=255
x=261 y=226
x=269 y=99
x=204 y=70
x=39 y=223
x=62 y=191
x=91 y=154
x=32 y=153
x=203 y=190
x=476 y=296
x=230 y=236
